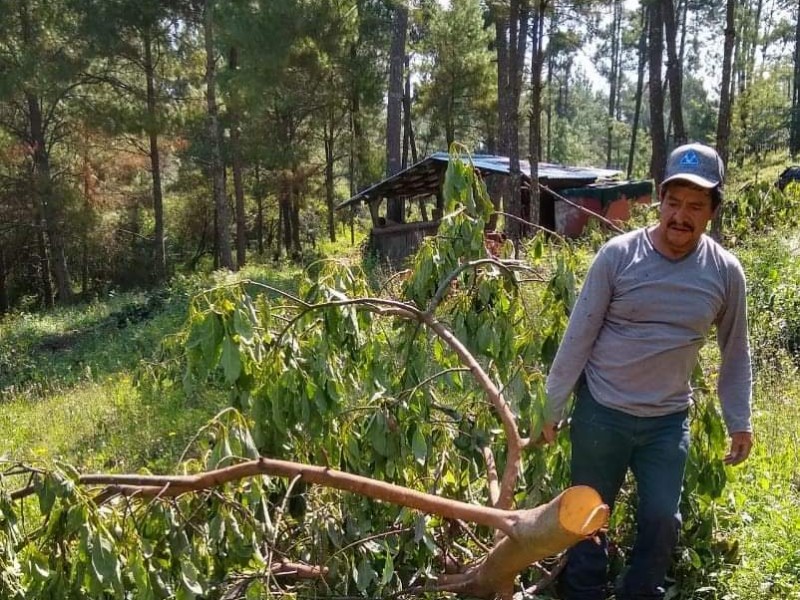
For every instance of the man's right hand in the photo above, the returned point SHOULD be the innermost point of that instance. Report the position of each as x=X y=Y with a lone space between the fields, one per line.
x=549 y=431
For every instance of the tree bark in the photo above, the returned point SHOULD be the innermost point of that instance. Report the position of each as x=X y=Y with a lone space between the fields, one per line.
x=48 y=296
x=237 y=167
x=726 y=102
x=159 y=242
x=49 y=200
x=658 y=156
x=49 y=204
x=222 y=228
x=517 y=43
x=639 y=90
x=86 y=175
x=329 y=157
x=535 y=131
x=794 y=130
x=526 y=537
x=674 y=73
x=500 y=197
x=3 y=288
x=394 y=109
x=613 y=91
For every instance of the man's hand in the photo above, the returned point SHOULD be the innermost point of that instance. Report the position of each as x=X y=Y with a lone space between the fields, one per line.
x=741 y=443
x=549 y=431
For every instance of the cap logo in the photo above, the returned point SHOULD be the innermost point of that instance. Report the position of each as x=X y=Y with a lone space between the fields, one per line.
x=690 y=159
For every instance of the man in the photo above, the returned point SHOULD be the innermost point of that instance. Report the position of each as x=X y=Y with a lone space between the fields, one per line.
x=646 y=306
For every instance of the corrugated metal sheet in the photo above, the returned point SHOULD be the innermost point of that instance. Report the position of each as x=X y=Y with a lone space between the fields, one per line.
x=425 y=177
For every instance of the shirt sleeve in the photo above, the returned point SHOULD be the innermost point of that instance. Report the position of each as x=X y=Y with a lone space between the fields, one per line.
x=585 y=322
x=735 y=382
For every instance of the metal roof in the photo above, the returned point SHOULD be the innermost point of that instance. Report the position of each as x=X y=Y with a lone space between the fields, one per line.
x=425 y=177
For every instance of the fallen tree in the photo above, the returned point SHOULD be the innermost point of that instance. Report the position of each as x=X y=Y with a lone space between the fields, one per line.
x=435 y=384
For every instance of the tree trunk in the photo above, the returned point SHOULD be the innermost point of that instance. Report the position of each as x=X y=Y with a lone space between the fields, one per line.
x=639 y=90
x=794 y=131
x=500 y=197
x=549 y=87
x=524 y=536
x=294 y=215
x=49 y=204
x=87 y=218
x=535 y=131
x=260 y=212
x=159 y=242
x=394 y=109
x=726 y=103
x=616 y=51
x=3 y=288
x=49 y=200
x=674 y=73
x=658 y=156
x=236 y=166
x=329 y=156
x=517 y=43
x=222 y=229
x=48 y=296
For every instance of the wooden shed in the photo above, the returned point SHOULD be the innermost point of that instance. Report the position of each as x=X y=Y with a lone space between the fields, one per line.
x=420 y=187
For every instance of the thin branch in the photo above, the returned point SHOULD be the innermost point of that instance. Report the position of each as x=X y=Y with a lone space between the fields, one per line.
x=530 y=224
x=444 y=286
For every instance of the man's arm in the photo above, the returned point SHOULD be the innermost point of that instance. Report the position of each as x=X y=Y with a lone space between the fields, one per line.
x=735 y=382
x=584 y=324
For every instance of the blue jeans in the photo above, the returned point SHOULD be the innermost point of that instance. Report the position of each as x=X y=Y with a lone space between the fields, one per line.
x=605 y=444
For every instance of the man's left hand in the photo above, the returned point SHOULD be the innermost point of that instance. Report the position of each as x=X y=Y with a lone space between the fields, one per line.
x=741 y=443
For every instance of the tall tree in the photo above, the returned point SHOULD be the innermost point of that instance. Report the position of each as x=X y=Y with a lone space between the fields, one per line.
x=614 y=72
x=237 y=166
x=535 y=128
x=456 y=79
x=642 y=63
x=658 y=155
x=725 y=93
x=794 y=127
x=217 y=168
x=518 y=21
x=725 y=102
x=138 y=37
x=674 y=72
x=43 y=61
x=394 y=109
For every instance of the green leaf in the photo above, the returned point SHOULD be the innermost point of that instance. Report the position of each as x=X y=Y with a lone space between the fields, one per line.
x=216 y=528
x=378 y=434
x=105 y=563
x=388 y=569
x=231 y=361
x=46 y=491
x=190 y=578
x=243 y=326
x=365 y=575
x=419 y=446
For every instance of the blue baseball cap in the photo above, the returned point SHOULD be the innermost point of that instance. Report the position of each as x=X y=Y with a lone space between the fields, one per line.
x=696 y=163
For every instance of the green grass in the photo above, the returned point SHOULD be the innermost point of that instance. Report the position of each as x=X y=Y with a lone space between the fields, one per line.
x=72 y=388
x=764 y=495
x=70 y=379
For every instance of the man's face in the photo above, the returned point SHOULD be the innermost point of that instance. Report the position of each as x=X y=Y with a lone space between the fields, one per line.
x=685 y=213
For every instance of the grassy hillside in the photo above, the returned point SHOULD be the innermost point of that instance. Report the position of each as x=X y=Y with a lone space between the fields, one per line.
x=71 y=380
x=74 y=388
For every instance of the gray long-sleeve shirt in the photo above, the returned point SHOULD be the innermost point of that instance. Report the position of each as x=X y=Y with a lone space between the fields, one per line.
x=638 y=326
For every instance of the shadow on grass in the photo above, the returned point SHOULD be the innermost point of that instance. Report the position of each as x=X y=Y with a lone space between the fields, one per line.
x=45 y=353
